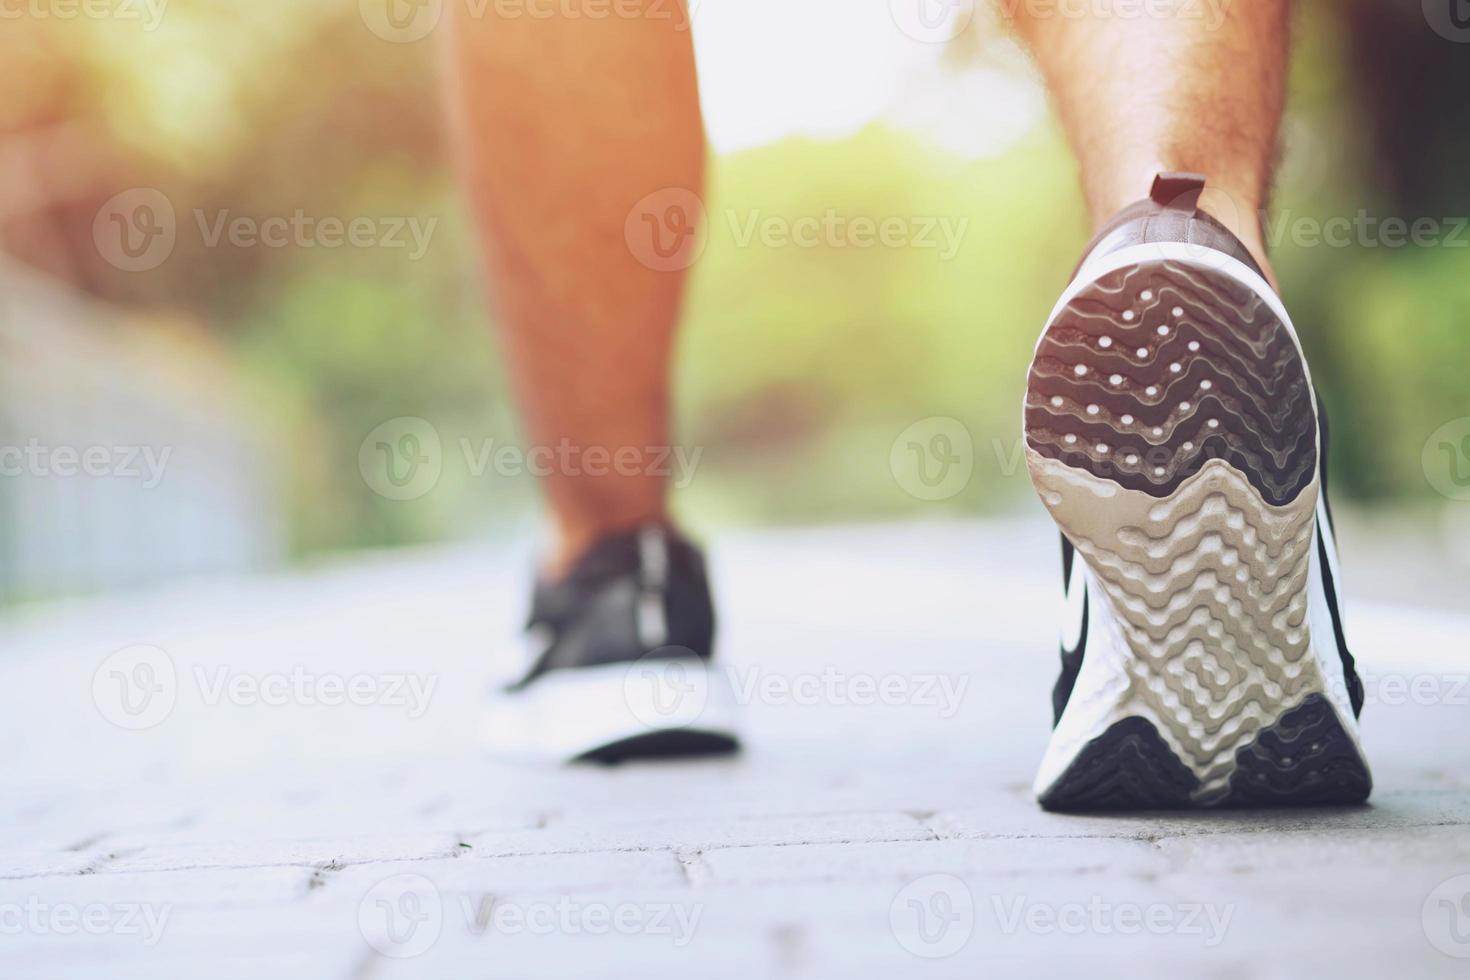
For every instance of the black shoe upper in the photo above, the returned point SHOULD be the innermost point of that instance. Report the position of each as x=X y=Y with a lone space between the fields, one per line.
x=632 y=593
x=1329 y=583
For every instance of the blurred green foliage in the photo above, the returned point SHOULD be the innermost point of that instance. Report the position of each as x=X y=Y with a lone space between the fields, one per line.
x=800 y=366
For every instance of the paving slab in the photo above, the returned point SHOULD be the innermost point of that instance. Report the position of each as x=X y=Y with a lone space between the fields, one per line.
x=252 y=829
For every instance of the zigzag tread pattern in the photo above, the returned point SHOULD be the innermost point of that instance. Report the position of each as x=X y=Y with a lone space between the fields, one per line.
x=1209 y=590
x=1154 y=369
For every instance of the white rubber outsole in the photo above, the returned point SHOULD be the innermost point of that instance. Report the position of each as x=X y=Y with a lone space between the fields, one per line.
x=649 y=707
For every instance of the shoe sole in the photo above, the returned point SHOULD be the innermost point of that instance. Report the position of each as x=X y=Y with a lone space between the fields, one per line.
x=1172 y=432
x=653 y=708
x=677 y=743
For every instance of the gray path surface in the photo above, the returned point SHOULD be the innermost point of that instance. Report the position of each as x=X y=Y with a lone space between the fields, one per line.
x=246 y=828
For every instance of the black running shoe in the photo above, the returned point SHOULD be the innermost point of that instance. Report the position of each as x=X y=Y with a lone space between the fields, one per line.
x=1173 y=432
x=621 y=660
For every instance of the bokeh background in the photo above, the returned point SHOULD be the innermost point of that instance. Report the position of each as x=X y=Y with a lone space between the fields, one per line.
x=226 y=388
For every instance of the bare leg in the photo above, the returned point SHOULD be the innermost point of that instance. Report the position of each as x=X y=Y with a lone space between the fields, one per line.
x=1185 y=92
x=567 y=119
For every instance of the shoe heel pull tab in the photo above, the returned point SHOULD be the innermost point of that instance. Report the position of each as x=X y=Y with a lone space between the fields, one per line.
x=1178 y=191
x=653 y=562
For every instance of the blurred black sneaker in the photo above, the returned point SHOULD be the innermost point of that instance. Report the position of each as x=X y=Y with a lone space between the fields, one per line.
x=620 y=665
x=1173 y=432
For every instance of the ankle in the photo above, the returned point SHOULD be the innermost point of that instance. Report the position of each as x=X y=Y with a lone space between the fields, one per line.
x=1244 y=220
